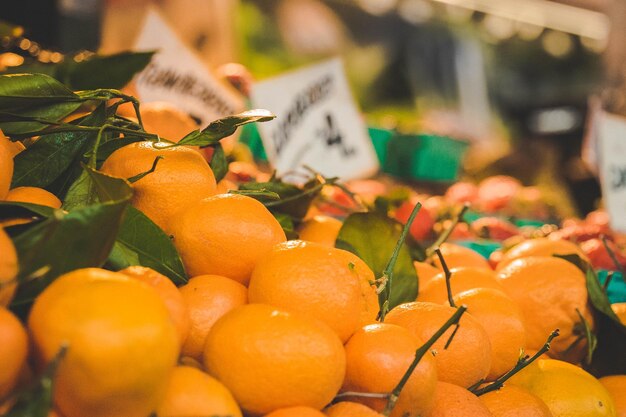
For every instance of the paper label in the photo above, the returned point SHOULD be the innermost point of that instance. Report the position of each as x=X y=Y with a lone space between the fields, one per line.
x=317 y=123
x=612 y=153
x=177 y=76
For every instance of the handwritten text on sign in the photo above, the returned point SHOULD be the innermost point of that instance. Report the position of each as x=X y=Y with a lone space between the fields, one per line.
x=317 y=123
x=612 y=141
x=177 y=76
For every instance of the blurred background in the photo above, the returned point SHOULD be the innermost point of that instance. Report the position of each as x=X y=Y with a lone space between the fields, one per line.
x=517 y=79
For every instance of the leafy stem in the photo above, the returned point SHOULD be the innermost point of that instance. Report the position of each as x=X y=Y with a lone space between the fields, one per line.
x=448 y=276
x=419 y=354
x=616 y=262
x=522 y=363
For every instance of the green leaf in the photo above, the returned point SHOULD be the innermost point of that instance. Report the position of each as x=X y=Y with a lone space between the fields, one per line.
x=372 y=237
x=53 y=154
x=35 y=95
x=103 y=71
x=219 y=163
x=222 y=128
x=94 y=187
x=64 y=242
x=286 y=222
x=14 y=209
x=576 y=260
x=141 y=242
x=608 y=357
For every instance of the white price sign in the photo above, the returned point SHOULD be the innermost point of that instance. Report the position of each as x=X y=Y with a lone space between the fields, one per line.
x=317 y=123
x=612 y=157
x=177 y=76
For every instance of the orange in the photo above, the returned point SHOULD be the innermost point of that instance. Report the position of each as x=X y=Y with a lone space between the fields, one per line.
x=33 y=195
x=616 y=386
x=166 y=120
x=8 y=269
x=502 y=320
x=297 y=411
x=13 y=351
x=567 y=390
x=467 y=359
x=620 y=311
x=512 y=401
x=425 y=272
x=377 y=356
x=191 y=392
x=541 y=246
x=548 y=290
x=454 y=401
x=208 y=297
x=327 y=284
x=6 y=165
x=122 y=345
x=181 y=178
x=320 y=229
x=462 y=279
x=271 y=359
x=173 y=299
x=227 y=235
x=350 y=409
x=457 y=256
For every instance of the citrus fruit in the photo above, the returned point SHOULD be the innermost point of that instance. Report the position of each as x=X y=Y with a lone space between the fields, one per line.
x=166 y=120
x=541 y=246
x=467 y=359
x=377 y=357
x=454 y=401
x=297 y=411
x=458 y=256
x=181 y=178
x=121 y=343
x=6 y=165
x=272 y=359
x=227 y=234
x=502 y=320
x=548 y=290
x=320 y=229
x=13 y=351
x=317 y=281
x=512 y=401
x=567 y=390
x=620 y=311
x=350 y=409
x=208 y=297
x=173 y=299
x=33 y=195
x=425 y=272
x=462 y=279
x=616 y=386
x=8 y=269
x=422 y=226
x=191 y=392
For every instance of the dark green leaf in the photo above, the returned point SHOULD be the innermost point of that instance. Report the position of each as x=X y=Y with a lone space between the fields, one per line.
x=264 y=194
x=94 y=187
x=579 y=262
x=608 y=357
x=219 y=163
x=103 y=71
x=141 y=242
x=13 y=209
x=36 y=95
x=373 y=237
x=225 y=127
x=286 y=222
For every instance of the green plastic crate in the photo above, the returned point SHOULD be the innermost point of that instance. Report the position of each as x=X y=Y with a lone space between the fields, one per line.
x=380 y=139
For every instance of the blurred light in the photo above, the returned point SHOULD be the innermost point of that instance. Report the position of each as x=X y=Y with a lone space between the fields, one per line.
x=24 y=44
x=44 y=56
x=594 y=45
x=377 y=7
x=498 y=27
x=557 y=44
x=528 y=32
x=56 y=57
x=10 y=59
x=34 y=49
x=415 y=11
x=555 y=120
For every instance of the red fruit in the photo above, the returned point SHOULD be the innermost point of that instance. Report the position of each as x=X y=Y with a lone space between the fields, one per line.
x=599 y=218
x=423 y=223
x=341 y=204
x=368 y=190
x=578 y=233
x=599 y=256
x=494 y=228
x=495 y=193
x=461 y=192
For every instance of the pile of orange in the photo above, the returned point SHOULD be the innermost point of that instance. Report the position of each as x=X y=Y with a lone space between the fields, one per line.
x=272 y=327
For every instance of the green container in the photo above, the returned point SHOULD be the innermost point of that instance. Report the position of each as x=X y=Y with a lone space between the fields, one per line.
x=251 y=137
x=425 y=157
x=380 y=139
